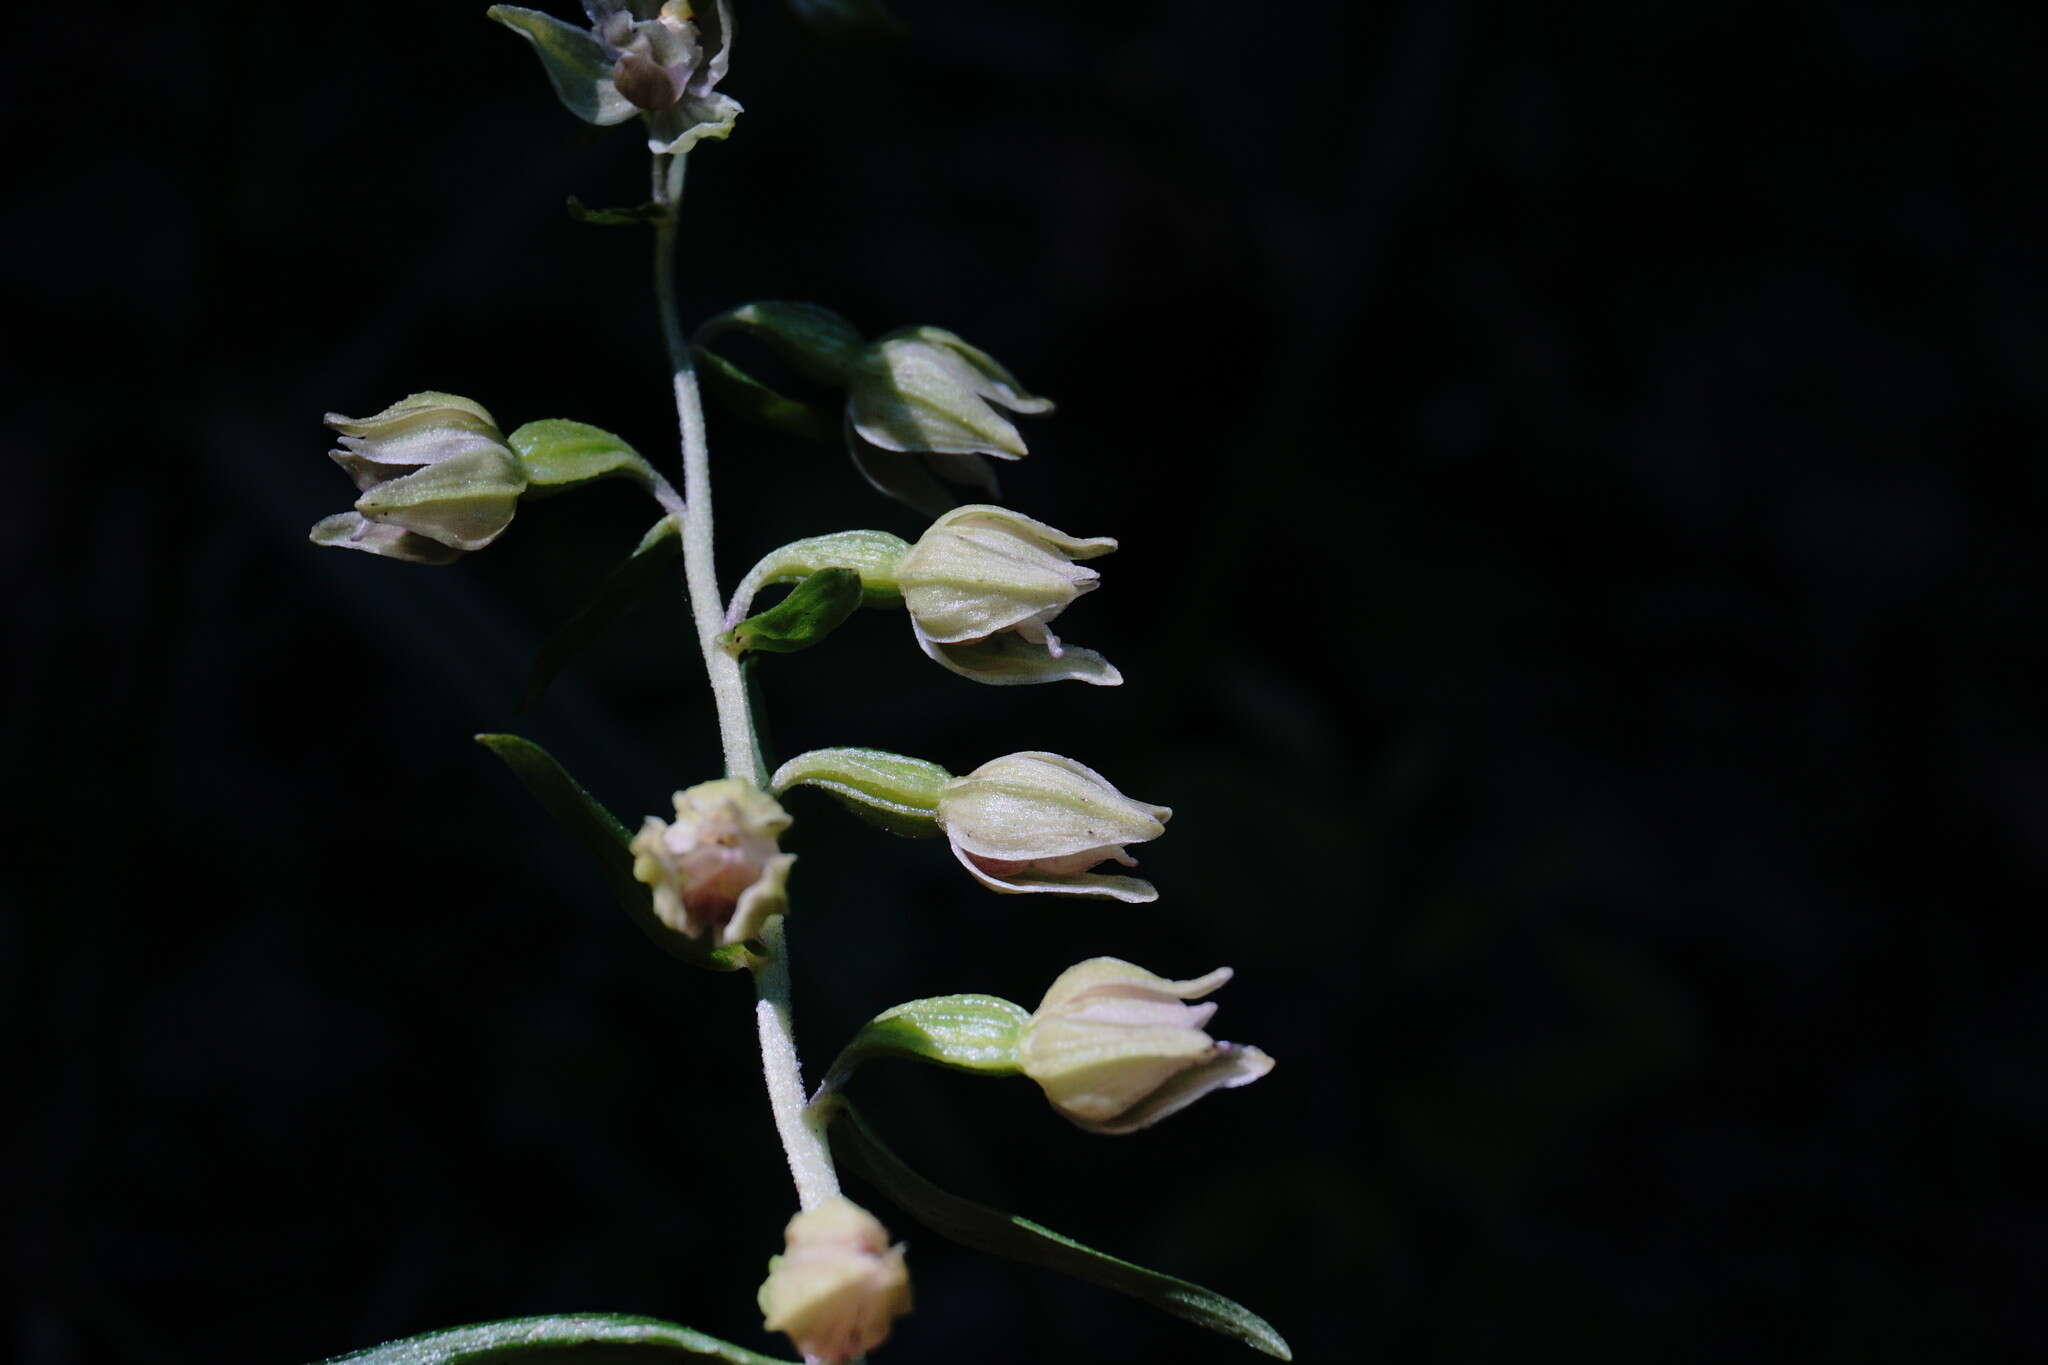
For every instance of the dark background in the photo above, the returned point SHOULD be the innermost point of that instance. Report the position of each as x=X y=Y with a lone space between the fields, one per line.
x=1579 y=475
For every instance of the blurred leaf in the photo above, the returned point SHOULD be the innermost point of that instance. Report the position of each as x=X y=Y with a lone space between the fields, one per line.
x=554 y=1338
x=555 y=452
x=745 y=396
x=605 y=839
x=849 y=21
x=1005 y=1234
x=814 y=609
x=640 y=215
x=620 y=589
x=976 y=1033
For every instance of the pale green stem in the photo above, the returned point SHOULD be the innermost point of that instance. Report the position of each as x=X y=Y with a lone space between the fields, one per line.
x=810 y=1159
x=700 y=570
x=803 y=1139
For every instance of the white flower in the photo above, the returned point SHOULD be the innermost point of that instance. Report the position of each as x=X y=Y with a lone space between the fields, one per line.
x=1039 y=822
x=717 y=867
x=435 y=476
x=983 y=584
x=838 y=1286
x=1115 y=1048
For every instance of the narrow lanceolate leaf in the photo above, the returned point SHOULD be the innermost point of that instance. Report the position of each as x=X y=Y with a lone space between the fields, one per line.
x=619 y=591
x=733 y=389
x=600 y=834
x=814 y=609
x=555 y=452
x=965 y=1032
x=566 y=1336
x=1019 y=1239
x=895 y=791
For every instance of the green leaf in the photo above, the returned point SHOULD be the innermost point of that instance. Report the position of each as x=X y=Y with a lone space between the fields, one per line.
x=620 y=589
x=556 y=452
x=976 y=1033
x=555 y=1338
x=604 y=838
x=733 y=389
x=895 y=791
x=575 y=63
x=1005 y=1234
x=813 y=610
x=648 y=214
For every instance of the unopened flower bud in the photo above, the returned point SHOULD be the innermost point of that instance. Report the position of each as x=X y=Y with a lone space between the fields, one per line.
x=982 y=586
x=1116 y=1049
x=717 y=866
x=838 y=1286
x=436 y=479
x=1039 y=822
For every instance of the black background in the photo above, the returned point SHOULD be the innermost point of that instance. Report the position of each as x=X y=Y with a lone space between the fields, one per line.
x=1579 y=476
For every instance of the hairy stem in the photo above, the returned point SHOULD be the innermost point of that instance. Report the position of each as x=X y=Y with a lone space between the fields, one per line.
x=803 y=1139
x=810 y=1159
x=700 y=571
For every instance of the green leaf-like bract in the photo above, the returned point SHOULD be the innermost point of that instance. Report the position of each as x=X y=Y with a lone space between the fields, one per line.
x=976 y=1033
x=814 y=609
x=555 y=452
x=605 y=839
x=554 y=1338
x=1005 y=1234
x=620 y=589
x=895 y=791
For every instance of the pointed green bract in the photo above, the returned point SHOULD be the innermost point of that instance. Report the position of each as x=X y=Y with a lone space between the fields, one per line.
x=620 y=589
x=600 y=834
x=1019 y=1239
x=814 y=609
x=553 y=1337
x=555 y=452
x=894 y=791
x=976 y=1033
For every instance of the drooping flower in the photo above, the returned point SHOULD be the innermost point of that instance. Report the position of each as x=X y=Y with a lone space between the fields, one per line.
x=839 y=1284
x=657 y=58
x=436 y=480
x=717 y=866
x=1116 y=1049
x=1039 y=822
x=921 y=413
x=983 y=584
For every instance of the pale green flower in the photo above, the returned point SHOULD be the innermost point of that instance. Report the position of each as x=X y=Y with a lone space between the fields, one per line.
x=1117 y=1049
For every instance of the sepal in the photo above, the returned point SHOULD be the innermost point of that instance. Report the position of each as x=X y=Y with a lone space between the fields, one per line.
x=575 y=61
